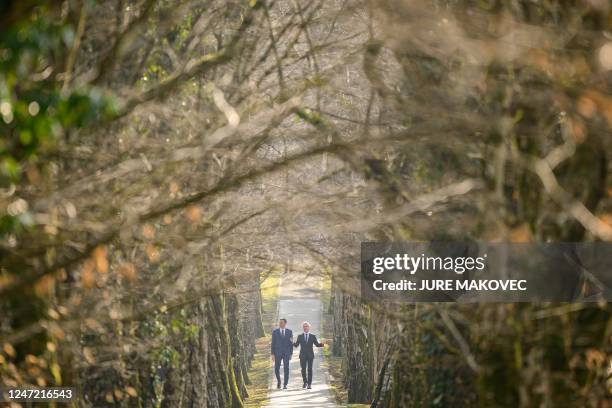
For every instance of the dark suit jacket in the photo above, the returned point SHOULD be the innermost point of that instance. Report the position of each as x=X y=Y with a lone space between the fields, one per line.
x=282 y=345
x=306 y=350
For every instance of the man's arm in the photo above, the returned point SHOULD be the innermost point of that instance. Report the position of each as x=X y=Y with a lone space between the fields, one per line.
x=316 y=342
x=297 y=341
x=273 y=346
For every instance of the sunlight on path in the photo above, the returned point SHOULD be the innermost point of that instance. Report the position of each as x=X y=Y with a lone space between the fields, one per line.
x=297 y=304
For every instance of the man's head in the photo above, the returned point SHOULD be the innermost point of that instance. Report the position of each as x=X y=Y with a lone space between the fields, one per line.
x=282 y=323
x=306 y=327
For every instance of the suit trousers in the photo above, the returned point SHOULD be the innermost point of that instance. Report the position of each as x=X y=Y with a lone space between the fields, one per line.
x=277 y=362
x=306 y=362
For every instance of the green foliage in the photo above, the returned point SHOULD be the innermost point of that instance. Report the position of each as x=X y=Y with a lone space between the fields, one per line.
x=36 y=108
x=168 y=356
x=173 y=330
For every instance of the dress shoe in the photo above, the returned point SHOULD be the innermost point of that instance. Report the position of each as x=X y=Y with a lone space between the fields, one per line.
x=309 y=387
x=304 y=386
x=284 y=387
x=278 y=385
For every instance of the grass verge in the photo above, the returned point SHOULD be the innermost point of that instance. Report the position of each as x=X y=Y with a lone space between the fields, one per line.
x=259 y=373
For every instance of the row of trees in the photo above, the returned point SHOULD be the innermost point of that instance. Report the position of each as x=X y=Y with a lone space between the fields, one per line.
x=135 y=224
x=506 y=104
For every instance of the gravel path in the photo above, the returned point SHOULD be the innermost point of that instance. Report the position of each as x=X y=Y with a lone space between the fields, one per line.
x=298 y=303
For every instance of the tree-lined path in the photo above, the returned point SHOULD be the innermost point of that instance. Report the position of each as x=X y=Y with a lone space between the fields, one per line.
x=299 y=302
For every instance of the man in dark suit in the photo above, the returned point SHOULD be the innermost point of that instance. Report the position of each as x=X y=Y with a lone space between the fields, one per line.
x=282 y=350
x=306 y=340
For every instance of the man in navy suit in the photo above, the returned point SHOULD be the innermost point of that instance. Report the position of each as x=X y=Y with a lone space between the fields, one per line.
x=306 y=340
x=282 y=350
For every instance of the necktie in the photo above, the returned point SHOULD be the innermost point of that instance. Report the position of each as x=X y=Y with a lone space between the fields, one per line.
x=283 y=332
x=306 y=337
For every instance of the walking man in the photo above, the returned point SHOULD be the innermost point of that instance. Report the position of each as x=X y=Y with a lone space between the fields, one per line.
x=306 y=340
x=282 y=350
